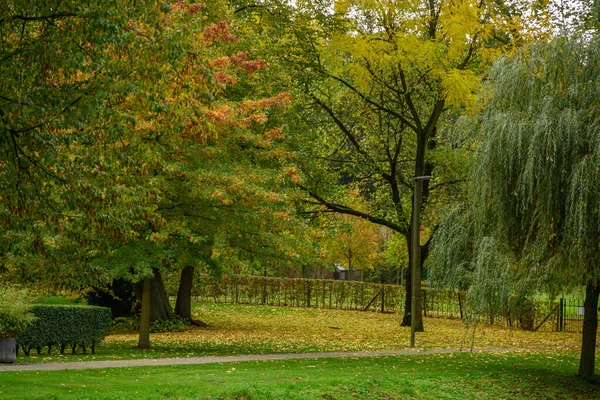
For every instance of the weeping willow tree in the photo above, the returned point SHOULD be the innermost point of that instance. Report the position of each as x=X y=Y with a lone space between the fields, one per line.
x=533 y=221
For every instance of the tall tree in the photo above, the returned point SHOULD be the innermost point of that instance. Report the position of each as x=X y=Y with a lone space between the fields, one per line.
x=533 y=220
x=135 y=143
x=380 y=80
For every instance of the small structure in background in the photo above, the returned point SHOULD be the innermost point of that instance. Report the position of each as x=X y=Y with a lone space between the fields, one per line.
x=338 y=272
x=344 y=274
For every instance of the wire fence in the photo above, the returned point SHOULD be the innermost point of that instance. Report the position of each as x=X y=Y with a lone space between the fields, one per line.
x=564 y=316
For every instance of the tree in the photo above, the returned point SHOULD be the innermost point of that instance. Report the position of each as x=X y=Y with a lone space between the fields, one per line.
x=380 y=82
x=533 y=220
x=144 y=141
x=353 y=242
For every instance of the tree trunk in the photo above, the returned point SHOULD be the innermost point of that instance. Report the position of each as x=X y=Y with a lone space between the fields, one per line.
x=161 y=308
x=144 y=334
x=183 y=305
x=590 y=327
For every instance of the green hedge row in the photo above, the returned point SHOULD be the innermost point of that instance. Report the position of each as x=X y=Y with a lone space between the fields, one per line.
x=297 y=292
x=66 y=326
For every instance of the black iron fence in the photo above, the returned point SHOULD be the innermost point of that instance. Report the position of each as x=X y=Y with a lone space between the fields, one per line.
x=564 y=316
x=569 y=315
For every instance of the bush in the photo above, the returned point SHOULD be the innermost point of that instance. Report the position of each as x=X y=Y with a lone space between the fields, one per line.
x=15 y=315
x=128 y=324
x=66 y=326
x=55 y=300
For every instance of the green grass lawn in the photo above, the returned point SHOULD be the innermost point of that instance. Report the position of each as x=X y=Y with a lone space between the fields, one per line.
x=524 y=375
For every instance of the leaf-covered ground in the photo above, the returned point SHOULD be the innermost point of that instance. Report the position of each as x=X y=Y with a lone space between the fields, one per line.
x=244 y=329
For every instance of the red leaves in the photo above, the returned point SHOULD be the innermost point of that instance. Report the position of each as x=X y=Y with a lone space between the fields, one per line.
x=240 y=60
x=218 y=33
x=222 y=78
x=192 y=9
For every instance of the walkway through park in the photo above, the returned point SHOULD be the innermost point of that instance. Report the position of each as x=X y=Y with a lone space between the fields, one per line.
x=54 y=366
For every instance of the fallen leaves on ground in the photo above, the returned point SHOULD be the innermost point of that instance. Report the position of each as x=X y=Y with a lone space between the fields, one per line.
x=245 y=329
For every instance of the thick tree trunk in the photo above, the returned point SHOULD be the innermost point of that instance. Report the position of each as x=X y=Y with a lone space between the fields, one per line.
x=183 y=305
x=144 y=334
x=161 y=308
x=590 y=327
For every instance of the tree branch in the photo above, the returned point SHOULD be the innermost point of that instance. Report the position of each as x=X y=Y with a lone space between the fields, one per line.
x=344 y=129
x=371 y=102
x=342 y=209
x=40 y=17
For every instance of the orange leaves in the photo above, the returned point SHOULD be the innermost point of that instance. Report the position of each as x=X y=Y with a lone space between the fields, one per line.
x=222 y=197
x=292 y=174
x=280 y=100
x=222 y=78
x=192 y=9
x=218 y=33
x=274 y=133
x=240 y=60
x=247 y=113
x=220 y=115
x=259 y=118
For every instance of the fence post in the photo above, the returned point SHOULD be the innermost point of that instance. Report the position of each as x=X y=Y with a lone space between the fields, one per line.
x=424 y=302
x=383 y=300
x=560 y=319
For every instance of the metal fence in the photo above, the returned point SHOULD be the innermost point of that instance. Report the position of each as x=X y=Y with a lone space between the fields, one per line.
x=569 y=315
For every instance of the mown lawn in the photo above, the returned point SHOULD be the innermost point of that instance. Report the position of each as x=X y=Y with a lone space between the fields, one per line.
x=523 y=375
x=243 y=329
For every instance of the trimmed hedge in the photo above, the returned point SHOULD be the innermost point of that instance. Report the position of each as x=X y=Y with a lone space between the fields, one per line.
x=66 y=326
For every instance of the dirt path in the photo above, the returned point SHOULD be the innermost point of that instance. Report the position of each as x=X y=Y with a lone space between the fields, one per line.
x=229 y=359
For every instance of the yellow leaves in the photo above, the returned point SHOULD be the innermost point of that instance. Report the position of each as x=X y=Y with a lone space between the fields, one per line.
x=239 y=329
x=460 y=87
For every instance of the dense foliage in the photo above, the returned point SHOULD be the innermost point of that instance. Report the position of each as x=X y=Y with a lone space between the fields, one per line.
x=66 y=327
x=15 y=311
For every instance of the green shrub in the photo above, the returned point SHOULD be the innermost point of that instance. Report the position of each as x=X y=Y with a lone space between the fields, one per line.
x=55 y=300
x=66 y=326
x=172 y=325
x=15 y=315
